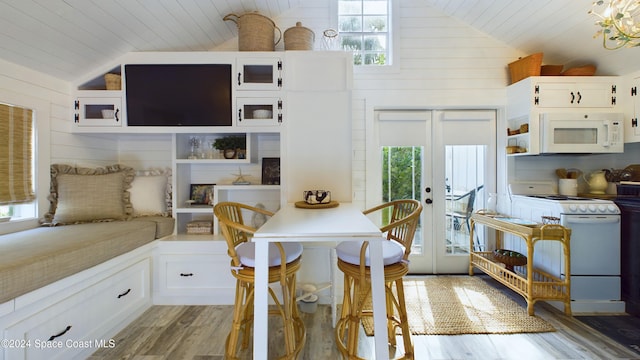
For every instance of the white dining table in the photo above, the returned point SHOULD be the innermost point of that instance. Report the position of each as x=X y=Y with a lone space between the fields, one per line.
x=342 y=223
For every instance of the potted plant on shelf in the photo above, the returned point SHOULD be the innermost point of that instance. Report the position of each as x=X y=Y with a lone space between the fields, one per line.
x=231 y=146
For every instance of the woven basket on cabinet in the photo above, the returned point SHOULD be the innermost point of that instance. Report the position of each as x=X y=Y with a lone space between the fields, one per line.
x=525 y=67
x=112 y=81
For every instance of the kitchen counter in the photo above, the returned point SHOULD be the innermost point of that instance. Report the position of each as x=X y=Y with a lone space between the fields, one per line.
x=598 y=196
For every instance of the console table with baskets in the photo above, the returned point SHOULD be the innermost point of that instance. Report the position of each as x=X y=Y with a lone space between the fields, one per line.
x=533 y=284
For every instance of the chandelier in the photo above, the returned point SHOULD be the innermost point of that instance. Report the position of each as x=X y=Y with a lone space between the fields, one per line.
x=618 y=23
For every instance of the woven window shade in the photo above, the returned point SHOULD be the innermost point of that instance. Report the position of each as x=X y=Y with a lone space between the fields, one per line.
x=16 y=154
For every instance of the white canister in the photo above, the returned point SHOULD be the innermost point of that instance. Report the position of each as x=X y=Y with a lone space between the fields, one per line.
x=568 y=187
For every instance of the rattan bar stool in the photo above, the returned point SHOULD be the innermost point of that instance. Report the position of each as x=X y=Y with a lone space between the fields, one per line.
x=353 y=261
x=284 y=262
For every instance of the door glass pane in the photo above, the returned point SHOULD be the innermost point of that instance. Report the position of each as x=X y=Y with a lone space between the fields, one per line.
x=402 y=179
x=258 y=74
x=465 y=193
x=101 y=111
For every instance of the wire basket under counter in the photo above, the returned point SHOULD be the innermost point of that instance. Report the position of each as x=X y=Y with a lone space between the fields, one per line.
x=509 y=258
x=546 y=220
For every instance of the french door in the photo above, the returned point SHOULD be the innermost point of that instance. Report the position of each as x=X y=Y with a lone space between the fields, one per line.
x=446 y=160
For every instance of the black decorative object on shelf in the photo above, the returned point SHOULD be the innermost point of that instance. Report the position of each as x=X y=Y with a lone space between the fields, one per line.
x=201 y=194
x=270 y=171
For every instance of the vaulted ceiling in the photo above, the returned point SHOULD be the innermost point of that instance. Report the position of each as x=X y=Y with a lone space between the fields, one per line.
x=69 y=38
x=562 y=29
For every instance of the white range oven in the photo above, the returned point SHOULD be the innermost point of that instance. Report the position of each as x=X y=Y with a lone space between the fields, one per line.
x=594 y=245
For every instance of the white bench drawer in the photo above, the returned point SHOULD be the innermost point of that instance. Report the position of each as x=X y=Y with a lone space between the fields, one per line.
x=70 y=326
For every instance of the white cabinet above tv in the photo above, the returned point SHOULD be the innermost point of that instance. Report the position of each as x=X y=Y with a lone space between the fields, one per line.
x=93 y=110
x=259 y=73
x=181 y=92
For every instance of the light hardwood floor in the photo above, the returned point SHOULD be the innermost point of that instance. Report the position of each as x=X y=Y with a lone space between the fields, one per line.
x=199 y=333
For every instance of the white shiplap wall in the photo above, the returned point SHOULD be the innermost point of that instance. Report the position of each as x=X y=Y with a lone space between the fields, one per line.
x=51 y=100
x=440 y=63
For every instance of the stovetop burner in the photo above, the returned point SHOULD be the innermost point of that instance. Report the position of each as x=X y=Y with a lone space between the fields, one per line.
x=543 y=195
x=559 y=197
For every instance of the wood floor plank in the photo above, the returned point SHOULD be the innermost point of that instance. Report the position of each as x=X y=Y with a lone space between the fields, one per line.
x=199 y=333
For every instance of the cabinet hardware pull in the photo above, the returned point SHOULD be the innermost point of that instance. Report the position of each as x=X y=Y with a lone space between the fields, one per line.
x=124 y=293
x=60 y=334
x=634 y=91
x=573 y=97
x=579 y=97
x=613 y=89
x=239 y=75
x=186 y=275
x=76 y=105
x=116 y=115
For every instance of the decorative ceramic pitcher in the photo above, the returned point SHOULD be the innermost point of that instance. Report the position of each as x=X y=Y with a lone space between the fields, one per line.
x=597 y=182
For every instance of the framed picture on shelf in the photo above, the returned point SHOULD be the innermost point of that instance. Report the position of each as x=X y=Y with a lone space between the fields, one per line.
x=270 y=171
x=201 y=194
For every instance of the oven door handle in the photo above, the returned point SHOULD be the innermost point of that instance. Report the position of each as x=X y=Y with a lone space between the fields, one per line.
x=591 y=219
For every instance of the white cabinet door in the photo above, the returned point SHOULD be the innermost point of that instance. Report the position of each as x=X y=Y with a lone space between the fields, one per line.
x=74 y=325
x=318 y=127
x=571 y=94
x=631 y=128
x=318 y=145
x=259 y=73
x=193 y=272
x=98 y=111
x=258 y=111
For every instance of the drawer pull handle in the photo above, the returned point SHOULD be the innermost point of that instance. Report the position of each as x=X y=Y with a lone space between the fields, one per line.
x=60 y=334
x=186 y=275
x=124 y=293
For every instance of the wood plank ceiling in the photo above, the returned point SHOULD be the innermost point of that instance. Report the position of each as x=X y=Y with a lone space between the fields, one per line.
x=562 y=29
x=70 y=38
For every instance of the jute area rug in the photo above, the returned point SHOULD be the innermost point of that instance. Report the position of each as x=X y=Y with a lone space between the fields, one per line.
x=454 y=305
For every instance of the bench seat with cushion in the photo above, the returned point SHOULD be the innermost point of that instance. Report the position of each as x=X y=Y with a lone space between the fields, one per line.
x=37 y=257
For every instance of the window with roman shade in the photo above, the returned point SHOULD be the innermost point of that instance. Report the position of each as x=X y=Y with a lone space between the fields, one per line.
x=16 y=155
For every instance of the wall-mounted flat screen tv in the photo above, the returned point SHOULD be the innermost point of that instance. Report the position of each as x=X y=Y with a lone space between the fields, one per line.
x=178 y=95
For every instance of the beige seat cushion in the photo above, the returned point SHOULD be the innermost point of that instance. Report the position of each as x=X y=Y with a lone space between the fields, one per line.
x=349 y=251
x=247 y=253
x=164 y=225
x=34 y=258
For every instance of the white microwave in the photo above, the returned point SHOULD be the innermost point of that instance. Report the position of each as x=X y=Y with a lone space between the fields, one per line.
x=581 y=133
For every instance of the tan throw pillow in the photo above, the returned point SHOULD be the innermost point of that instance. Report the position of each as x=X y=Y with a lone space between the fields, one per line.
x=80 y=195
x=148 y=195
x=89 y=197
